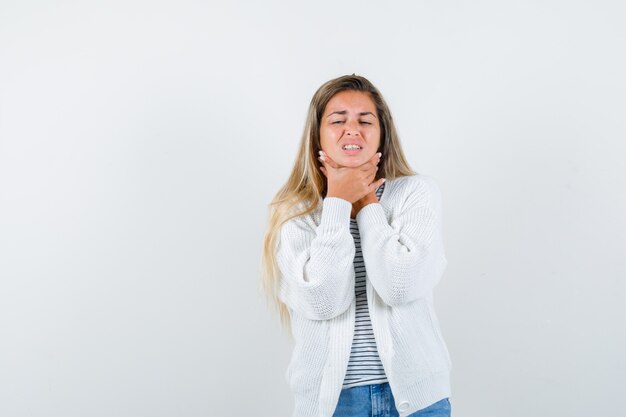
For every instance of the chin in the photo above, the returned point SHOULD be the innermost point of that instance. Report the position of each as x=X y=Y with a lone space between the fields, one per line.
x=351 y=162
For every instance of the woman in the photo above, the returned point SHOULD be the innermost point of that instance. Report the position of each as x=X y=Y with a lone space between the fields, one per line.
x=351 y=255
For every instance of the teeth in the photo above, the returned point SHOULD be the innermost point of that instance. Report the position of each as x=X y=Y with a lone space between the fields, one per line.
x=352 y=147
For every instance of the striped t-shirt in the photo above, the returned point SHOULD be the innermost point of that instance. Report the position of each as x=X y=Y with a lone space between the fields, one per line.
x=364 y=366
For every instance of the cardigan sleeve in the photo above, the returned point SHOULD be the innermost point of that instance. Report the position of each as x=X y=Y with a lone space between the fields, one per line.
x=404 y=258
x=317 y=265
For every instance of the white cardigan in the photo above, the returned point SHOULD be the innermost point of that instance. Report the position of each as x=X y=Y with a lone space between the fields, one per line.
x=401 y=241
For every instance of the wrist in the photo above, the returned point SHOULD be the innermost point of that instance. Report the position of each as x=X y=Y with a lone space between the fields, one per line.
x=368 y=199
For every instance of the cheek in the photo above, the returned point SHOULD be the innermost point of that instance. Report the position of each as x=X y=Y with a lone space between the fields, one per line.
x=327 y=134
x=330 y=130
x=376 y=134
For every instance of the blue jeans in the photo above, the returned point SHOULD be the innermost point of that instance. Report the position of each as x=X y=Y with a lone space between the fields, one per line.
x=376 y=400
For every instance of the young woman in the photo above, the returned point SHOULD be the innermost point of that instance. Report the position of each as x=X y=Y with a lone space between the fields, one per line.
x=351 y=255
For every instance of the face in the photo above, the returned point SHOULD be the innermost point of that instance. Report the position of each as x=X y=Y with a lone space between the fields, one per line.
x=350 y=118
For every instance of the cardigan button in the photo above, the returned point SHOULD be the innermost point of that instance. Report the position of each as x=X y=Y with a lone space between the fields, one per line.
x=403 y=406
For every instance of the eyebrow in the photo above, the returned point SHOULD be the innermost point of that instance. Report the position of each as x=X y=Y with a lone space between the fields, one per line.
x=342 y=112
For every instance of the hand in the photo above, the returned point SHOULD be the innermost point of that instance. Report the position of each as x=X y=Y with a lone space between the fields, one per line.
x=351 y=183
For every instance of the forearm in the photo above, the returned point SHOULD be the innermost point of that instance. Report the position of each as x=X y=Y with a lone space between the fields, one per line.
x=317 y=265
x=403 y=250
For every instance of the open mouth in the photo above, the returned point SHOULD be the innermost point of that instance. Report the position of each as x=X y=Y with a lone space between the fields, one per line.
x=351 y=149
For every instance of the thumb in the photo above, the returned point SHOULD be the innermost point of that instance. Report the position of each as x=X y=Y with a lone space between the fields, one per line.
x=376 y=184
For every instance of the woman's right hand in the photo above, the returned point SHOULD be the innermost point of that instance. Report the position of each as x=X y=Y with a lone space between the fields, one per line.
x=350 y=183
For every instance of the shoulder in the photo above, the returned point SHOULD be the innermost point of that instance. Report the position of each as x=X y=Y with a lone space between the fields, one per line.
x=418 y=183
x=419 y=190
x=300 y=219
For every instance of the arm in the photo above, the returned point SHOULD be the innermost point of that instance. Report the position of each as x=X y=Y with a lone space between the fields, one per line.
x=317 y=266
x=404 y=259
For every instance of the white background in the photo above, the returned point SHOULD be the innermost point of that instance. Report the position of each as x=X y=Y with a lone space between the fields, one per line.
x=141 y=142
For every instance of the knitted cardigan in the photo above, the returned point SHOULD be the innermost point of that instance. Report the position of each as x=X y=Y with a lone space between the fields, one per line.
x=402 y=246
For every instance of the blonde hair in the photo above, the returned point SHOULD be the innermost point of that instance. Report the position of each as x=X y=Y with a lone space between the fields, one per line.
x=307 y=185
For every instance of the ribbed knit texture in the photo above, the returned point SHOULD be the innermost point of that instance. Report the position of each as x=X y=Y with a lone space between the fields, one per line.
x=402 y=247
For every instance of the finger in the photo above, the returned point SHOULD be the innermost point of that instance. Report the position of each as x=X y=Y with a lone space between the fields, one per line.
x=371 y=163
x=376 y=157
x=324 y=162
x=323 y=171
x=369 y=169
x=328 y=161
x=376 y=184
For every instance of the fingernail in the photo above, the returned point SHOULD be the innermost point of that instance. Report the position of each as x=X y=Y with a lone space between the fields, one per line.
x=380 y=154
x=321 y=158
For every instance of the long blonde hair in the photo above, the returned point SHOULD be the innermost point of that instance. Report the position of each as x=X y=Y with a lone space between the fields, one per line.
x=306 y=183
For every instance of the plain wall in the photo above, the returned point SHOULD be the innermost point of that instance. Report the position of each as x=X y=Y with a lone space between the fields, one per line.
x=141 y=142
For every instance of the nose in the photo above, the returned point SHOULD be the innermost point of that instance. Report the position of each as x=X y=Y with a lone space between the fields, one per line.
x=351 y=129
